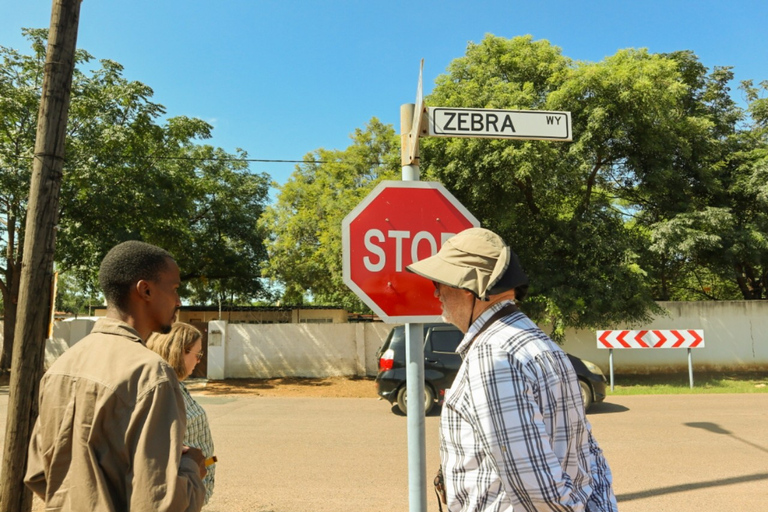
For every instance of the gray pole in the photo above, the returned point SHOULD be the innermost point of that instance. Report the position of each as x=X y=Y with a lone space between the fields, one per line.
x=610 y=364
x=414 y=354
x=690 y=368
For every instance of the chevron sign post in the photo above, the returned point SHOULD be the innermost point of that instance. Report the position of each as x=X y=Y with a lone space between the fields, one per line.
x=674 y=338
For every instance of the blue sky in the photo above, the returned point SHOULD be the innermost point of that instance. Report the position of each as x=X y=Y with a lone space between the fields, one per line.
x=281 y=78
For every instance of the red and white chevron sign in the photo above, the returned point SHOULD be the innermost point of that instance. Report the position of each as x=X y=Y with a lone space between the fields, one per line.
x=691 y=338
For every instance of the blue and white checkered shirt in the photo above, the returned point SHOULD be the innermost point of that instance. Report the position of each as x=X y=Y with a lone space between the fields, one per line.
x=513 y=434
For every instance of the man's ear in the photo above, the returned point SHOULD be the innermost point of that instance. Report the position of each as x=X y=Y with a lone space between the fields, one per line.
x=143 y=289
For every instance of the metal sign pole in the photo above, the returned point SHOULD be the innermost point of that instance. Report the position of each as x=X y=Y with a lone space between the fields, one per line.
x=690 y=368
x=417 y=451
x=610 y=363
x=414 y=333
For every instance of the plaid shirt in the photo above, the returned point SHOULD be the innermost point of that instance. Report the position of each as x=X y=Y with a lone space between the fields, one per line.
x=513 y=434
x=198 y=435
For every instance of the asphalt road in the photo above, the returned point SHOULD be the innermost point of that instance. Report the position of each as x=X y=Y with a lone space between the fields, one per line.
x=680 y=453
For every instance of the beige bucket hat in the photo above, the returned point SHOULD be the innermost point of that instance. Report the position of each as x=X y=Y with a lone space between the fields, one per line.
x=477 y=260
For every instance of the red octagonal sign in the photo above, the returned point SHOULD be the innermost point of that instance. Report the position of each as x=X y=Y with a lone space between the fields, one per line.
x=398 y=223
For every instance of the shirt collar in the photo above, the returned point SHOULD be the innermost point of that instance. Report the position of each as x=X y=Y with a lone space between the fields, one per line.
x=117 y=328
x=478 y=324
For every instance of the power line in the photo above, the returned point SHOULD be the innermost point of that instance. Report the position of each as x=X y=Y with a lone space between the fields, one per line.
x=209 y=159
x=261 y=160
x=218 y=159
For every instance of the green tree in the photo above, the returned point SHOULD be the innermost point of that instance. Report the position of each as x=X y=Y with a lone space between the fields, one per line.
x=724 y=237
x=305 y=253
x=661 y=194
x=568 y=209
x=75 y=297
x=128 y=175
x=21 y=78
x=203 y=207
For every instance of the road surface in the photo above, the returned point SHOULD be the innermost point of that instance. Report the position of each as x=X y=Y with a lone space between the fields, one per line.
x=681 y=453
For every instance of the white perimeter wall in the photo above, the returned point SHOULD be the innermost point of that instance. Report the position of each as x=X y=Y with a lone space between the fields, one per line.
x=65 y=334
x=301 y=350
x=735 y=336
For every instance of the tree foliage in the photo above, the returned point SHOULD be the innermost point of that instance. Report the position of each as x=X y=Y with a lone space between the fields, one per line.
x=130 y=173
x=305 y=253
x=593 y=219
x=660 y=196
x=721 y=240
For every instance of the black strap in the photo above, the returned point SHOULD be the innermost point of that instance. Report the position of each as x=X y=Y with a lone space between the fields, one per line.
x=506 y=310
x=439 y=486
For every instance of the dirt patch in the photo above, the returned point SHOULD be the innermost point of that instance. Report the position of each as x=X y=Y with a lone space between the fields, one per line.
x=335 y=387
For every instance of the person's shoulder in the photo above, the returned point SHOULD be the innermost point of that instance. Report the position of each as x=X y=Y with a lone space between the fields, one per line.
x=147 y=369
x=117 y=362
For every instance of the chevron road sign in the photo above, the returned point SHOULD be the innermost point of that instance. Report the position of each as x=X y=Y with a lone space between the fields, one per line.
x=676 y=338
x=673 y=338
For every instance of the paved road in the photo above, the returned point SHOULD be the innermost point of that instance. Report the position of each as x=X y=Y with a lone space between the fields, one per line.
x=681 y=453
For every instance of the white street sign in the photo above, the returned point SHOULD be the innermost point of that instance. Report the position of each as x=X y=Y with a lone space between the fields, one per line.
x=499 y=124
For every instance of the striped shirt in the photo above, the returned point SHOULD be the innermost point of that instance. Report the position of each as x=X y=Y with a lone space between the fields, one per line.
x=513 y=433
x=198 y=435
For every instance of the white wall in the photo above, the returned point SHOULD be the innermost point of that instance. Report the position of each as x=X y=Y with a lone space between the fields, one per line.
x=301 y=350
x=65 y=334
x=735 y=337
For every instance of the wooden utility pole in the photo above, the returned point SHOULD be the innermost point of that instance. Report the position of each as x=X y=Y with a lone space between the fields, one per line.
x=37 y=263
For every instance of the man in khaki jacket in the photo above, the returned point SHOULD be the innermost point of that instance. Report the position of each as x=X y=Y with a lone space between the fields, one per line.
x=112 y=421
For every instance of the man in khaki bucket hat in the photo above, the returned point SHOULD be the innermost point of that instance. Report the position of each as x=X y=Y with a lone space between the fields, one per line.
x=513 y=432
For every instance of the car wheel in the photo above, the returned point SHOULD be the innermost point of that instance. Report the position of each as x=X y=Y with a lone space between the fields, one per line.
x=586 y=394
x=402 y=399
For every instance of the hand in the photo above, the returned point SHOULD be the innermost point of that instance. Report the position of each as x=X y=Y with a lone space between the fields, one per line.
x=197 y=455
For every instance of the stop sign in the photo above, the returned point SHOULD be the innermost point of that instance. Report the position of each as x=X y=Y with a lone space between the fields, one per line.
x=398 y=223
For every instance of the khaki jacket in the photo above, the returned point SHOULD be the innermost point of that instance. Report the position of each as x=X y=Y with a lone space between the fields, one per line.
x=110 y=430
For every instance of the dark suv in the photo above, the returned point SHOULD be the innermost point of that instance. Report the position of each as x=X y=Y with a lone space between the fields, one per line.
x=441 y=363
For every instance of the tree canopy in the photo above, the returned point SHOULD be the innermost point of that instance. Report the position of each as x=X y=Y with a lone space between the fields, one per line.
x=660 y=196
x=627 y=212
x=305 y=253
x=131 y=172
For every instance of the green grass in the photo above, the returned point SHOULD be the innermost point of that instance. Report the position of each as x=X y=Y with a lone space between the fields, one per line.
x=677 y=383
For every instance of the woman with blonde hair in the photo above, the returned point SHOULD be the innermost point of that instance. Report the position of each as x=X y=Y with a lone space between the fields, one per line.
x=182 y=348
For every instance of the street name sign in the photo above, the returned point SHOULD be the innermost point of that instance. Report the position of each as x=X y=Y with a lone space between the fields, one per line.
x=398 y=223
x=499 y=124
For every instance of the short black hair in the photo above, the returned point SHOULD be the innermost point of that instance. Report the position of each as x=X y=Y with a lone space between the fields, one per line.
x=126 y=264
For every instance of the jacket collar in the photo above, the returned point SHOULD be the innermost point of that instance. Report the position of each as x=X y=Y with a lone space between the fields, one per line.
x=117 y=328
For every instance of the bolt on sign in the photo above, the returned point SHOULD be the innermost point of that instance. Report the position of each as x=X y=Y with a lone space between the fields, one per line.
x=398 y=223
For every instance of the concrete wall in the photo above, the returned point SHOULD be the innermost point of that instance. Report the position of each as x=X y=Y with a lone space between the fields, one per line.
x=299 y=350
x=735 y=337
x=65 y=334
